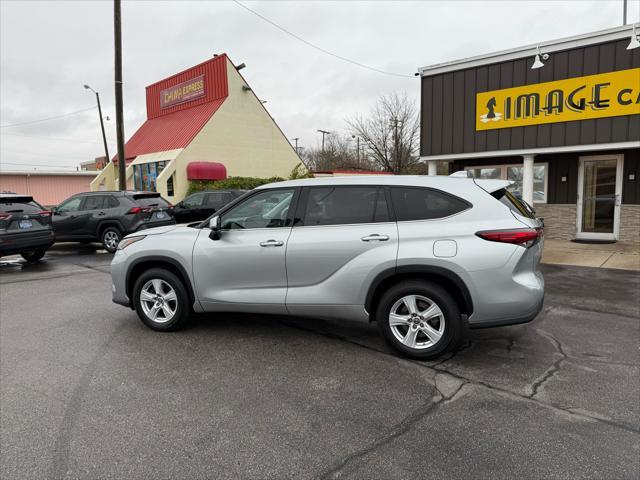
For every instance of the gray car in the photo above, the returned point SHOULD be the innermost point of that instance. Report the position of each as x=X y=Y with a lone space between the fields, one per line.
x=424 y=257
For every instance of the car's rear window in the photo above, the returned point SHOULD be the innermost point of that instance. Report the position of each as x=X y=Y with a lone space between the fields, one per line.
x=415 y=203
x=514 y=203
x=19 y=205
x=150 y=201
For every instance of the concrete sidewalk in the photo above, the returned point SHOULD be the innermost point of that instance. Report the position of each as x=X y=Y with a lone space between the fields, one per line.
x=620 y=255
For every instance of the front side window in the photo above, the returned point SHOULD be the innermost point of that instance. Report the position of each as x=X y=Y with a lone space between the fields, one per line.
x=345 y=205
x=194 y=200
x=267 y=209
x=71 y=205
x=425 y=203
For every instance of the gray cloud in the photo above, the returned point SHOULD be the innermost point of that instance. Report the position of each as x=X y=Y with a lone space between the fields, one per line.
x=48 y=50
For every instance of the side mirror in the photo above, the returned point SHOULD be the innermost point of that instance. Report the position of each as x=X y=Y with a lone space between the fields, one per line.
x=214 y=225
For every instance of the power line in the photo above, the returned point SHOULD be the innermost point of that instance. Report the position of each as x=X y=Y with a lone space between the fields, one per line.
x=27 y=165
x=47 y=119
x=362 y=65
x=35 y=154
x=58 y=139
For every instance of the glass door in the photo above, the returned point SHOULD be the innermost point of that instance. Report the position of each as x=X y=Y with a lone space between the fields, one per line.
x=599 y=189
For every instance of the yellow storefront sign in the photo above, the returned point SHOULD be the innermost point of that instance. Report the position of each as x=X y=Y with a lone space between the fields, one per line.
x=594 y=96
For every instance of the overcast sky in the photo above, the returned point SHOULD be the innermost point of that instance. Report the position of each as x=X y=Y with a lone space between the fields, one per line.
x=48 y=50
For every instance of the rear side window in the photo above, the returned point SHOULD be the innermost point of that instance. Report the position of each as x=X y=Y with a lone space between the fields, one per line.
x=514 y=203
x=219 y=199
x=150 y=201
x=425 y=203
x=96 y=202
x=19 y=206
x=345 y=205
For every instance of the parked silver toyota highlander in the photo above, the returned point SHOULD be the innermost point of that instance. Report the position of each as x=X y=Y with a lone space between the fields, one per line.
x=421 y=256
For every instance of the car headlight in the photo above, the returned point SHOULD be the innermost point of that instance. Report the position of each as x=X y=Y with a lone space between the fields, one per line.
x=128 y=241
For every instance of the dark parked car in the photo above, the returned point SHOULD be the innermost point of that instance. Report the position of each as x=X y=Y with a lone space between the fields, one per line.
x=199 y=206
x=25 y=227
x=109 y=216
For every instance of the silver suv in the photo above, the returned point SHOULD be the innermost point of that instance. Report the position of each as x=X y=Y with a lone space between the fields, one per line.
x=424 y=257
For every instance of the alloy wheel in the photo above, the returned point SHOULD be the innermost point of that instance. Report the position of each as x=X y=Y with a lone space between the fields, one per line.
x=158 y=300
x=417 y=322
x=111 y=240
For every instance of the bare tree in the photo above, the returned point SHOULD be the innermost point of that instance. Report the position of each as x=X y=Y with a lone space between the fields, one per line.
x=339 y=153
x=390 y=133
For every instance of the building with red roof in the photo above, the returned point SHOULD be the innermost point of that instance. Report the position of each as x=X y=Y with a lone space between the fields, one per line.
x=204 y=123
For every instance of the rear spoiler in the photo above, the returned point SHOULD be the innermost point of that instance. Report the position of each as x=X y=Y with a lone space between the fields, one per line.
x=16 y=199
x=146 y=195
x=492 y=185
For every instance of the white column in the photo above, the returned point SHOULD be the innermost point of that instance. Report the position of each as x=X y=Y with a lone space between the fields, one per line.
x=433 y=168
x=527 y=179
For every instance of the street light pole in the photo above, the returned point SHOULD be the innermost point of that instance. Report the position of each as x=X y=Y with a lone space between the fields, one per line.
x=104 y=136
x=296 y=140
x=323 y=132
x=122 y=159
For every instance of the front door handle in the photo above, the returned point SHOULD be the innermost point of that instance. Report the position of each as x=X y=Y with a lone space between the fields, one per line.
x=375 y=238
x=272 y=243
x=102 y=214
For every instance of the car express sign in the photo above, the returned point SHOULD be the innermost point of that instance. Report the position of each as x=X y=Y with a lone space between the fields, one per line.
x=183 y=92
x=594 y=96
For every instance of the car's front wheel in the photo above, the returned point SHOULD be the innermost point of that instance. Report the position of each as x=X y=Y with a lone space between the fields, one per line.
x=161 y=300
x=419 y=319
x=110 y=238
x=33 y=255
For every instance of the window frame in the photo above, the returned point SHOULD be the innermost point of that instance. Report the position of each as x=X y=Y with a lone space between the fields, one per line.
x=80 y=205
x=293 y=206
x=298 y=221
x=418 y=187
x=503 y=174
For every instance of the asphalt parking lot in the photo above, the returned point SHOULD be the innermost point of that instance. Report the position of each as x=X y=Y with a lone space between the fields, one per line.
x=88 y=392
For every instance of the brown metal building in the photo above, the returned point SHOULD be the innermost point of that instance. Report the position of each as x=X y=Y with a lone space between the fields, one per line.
x=561 y=119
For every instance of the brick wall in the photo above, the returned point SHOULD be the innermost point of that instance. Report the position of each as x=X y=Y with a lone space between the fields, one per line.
x=630 y=223
x=559 y=220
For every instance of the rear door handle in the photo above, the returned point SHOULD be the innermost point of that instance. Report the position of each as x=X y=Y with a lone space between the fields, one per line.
x=272 y=243
x=102 y=214
x=375 y=238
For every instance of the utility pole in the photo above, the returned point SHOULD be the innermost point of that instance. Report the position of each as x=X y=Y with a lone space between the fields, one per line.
x=394 y=124
x=122 y=159
x=357 y=139
x=624 y=12
x=324 y=132
x=296 y=140
x=104 y=136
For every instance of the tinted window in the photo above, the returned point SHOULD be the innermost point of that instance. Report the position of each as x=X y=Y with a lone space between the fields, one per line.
x=267 y=209
x=514 y=203
x=218 y=199
x=150 y=201
x=112 y=202
x=71 y=205
x=424 y=203
x=345 y=205
x=95 y=202
x=19 y=206
x=194 y=200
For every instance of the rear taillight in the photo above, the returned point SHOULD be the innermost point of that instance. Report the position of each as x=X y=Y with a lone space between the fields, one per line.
x=135 y=210
x=44 y=213
x=4 y=216
x=524 y=236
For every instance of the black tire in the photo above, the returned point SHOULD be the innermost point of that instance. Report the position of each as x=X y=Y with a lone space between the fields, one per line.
x=182 y=303
x=110 y=239
x=453 y=329
x=33 y=256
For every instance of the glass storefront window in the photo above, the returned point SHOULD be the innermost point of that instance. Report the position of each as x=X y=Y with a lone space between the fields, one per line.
x=514 y=173
x=145 y=175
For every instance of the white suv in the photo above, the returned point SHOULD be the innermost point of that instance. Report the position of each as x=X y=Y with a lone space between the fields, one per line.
x=421 y=256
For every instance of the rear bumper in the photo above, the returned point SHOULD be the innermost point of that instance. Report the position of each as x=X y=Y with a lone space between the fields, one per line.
x=145 y=226
x=17 y=243
x=511 y=321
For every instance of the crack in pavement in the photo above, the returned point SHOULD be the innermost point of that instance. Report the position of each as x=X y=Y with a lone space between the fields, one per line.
x=394 y=432
x=541 y=381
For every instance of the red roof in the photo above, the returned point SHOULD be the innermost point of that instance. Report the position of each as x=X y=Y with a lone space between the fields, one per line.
x=167 y=132
x=206 y=171
x=175 y=126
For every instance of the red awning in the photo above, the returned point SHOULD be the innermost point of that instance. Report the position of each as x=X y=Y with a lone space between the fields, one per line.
x=206 y=171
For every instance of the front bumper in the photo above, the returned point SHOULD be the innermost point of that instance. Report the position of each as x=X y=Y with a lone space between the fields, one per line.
x=119 y=279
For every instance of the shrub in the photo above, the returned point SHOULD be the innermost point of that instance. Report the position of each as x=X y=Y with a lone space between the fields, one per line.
x=231 y=183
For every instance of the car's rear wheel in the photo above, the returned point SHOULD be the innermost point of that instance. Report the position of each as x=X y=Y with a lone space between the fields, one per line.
x=419 y=319
x=110 y=238
x=161 y=300
x=33 y=255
